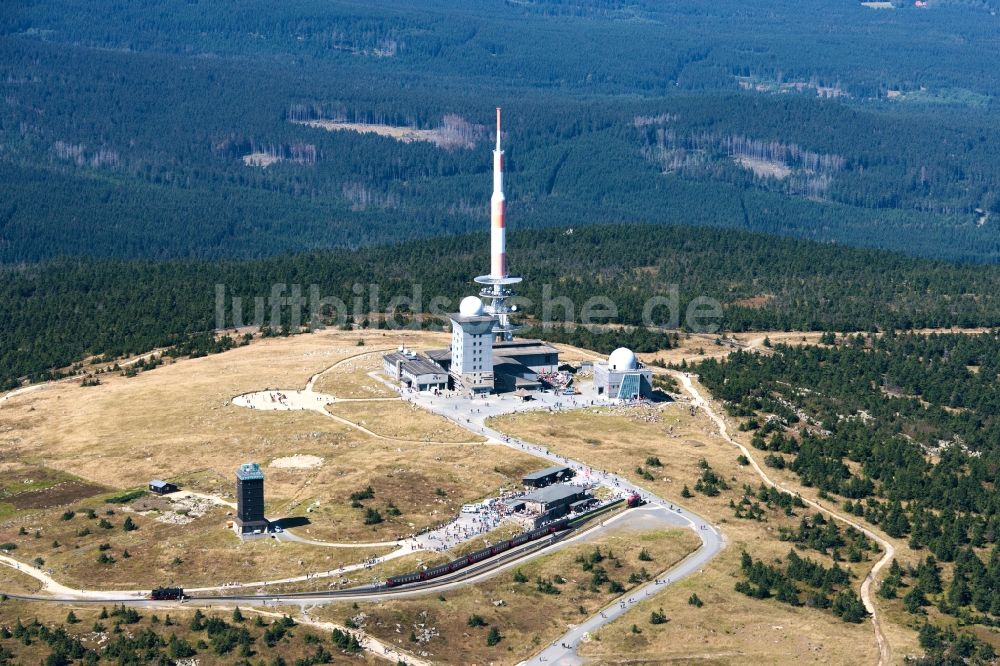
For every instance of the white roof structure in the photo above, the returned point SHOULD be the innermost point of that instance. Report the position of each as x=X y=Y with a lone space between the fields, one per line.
x=622 y=359
x=470 y=306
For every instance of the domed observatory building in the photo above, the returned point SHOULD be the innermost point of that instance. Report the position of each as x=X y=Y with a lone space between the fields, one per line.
x=480 y=360
x=623 y=377
x=471 y=362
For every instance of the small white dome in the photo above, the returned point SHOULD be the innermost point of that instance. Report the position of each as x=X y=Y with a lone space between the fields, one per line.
x=470 y=306
x=622 y=359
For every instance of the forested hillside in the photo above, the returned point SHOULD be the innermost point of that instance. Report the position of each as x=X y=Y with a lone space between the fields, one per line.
x=55 y=313
x=538 y=42
x=902 y=430
x=172 y=129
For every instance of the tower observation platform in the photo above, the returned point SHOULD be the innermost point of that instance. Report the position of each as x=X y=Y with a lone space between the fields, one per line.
x=497 y=291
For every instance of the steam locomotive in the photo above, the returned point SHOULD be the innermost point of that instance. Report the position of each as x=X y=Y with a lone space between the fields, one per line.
x=167 y=594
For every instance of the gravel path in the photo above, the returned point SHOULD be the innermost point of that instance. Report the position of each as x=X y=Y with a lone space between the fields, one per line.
x=884 y=649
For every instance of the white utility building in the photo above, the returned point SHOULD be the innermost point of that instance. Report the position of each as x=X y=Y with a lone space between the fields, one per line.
x=479 y=362
x=414 y=370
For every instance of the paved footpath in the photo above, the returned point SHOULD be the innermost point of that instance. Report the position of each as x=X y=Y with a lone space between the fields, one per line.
x=472 y=414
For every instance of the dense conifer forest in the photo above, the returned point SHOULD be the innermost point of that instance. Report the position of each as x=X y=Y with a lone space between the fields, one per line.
x=58 y=312
x=141 y=129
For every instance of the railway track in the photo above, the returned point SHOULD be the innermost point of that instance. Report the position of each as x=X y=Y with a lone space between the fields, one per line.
x=360 y=592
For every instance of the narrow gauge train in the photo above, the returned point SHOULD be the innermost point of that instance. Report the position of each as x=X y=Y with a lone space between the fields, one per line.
x=479 y=555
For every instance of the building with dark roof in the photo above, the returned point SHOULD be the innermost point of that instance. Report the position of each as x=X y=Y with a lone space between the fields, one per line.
x=547 y=476
x=540 y=357
x=161 y=487
x=415 y=370
x=510 y=376
x=553 y=501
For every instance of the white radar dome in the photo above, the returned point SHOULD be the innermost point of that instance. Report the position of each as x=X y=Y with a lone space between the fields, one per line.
x=470 y=306
x=622 y=359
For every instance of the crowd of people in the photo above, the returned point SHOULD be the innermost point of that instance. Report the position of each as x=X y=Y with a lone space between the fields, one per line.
x=488 y=516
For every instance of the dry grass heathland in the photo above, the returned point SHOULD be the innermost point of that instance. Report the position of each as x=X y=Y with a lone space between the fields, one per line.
x=731 y=628
x=65 y=445
x=350 y=378
x=65 y=448
x=555 y=592
x=201 y=552
x=403 y=421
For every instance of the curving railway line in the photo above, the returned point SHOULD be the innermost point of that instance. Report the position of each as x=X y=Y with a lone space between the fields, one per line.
x=507 y=559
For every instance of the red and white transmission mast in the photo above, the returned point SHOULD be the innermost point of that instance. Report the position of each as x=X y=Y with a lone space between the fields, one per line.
x=498 y=282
